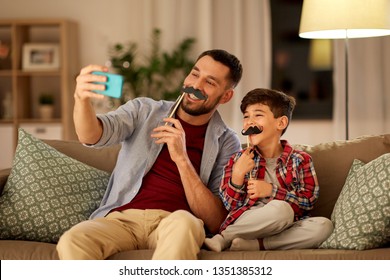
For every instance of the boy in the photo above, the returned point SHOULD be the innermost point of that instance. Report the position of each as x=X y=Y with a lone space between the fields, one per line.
x=269 y=188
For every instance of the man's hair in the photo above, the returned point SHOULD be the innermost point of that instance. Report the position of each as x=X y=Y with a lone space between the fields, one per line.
x=279 y=103
x=228 y=60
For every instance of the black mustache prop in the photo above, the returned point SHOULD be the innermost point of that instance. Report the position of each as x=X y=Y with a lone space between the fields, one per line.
x=196 y=92
x=252 y=130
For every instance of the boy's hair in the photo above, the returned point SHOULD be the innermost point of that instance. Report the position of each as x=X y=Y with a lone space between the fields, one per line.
x=279 y=103
x=229 y=60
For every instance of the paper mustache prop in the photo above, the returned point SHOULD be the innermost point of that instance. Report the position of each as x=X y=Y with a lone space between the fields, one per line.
x=185 y=90
x=196 y=92
x=252 y=130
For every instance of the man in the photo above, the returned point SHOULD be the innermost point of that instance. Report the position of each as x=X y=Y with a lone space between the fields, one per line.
x=163 y=191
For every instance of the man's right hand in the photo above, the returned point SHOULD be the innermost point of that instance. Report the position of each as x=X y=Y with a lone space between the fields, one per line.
x=88 y=128
x=85 y=85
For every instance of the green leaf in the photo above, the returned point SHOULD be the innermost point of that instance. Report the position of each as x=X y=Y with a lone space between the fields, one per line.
x=159 y=74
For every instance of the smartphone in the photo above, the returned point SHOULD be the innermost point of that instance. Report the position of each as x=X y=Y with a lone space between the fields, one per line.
x=113 y=84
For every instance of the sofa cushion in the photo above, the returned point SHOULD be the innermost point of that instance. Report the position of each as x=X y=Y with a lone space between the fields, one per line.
x=47 y=192
x=332 y=161
x=29 y=250
x=100 y=158
x=362 y=212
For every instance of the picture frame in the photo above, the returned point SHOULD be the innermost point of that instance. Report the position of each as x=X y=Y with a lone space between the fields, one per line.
x=41 y=57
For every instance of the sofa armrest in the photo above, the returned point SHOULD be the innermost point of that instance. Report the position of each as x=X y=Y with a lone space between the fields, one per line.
x=3 y=178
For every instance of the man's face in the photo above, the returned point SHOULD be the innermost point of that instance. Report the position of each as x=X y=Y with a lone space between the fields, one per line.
x=210 y=77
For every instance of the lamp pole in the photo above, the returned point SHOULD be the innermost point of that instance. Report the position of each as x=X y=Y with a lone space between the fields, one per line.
x=346 y=87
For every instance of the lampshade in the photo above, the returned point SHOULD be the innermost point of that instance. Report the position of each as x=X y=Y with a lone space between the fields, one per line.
x=336 y=19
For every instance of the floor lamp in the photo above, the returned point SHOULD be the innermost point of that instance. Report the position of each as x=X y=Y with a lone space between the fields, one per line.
x=344 y=19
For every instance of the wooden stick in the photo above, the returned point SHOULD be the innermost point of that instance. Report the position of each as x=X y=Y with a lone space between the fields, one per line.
x=177 y=103
x=247 y=146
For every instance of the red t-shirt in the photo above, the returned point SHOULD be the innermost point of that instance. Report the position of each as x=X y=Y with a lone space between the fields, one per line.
x=162 y=187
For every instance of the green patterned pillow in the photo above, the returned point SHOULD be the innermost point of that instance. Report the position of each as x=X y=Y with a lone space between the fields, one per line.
x=361 y=215
x=47 y=192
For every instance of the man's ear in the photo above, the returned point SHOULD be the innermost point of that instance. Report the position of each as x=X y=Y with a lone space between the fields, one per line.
x=283 y=122
x=227 y=96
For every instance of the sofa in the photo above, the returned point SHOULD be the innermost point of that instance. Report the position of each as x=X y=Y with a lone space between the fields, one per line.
x=332 y=161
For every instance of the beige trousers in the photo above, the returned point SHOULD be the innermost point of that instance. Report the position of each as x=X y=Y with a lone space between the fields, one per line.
x=274 y=222
x=174 y=236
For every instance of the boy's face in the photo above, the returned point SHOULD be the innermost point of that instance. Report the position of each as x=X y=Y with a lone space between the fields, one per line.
x=261 y=116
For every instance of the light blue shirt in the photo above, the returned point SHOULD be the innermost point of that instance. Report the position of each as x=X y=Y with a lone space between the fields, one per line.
x=131 y=125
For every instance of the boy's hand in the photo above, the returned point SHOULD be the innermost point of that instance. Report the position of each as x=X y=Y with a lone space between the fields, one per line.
x=259 y=189
x=242 y=166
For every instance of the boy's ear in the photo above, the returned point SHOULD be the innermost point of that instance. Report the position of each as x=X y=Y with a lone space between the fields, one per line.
x=226 y=96
x=283 y=122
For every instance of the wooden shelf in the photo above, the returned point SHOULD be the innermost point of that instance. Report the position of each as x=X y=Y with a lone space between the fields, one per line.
x=37 y=73
x=5 y=73
x=6 y=121
x=39 y=120
x=25 y=86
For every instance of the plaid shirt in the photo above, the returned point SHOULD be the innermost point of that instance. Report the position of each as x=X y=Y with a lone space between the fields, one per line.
x=295 y=173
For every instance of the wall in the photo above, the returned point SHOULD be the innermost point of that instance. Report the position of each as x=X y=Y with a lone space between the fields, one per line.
x=102 y=23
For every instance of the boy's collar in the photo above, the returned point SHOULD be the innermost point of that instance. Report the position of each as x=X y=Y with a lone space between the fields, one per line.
x=287 y=150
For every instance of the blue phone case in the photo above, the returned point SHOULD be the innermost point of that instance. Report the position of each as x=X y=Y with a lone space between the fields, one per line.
x=113 y=84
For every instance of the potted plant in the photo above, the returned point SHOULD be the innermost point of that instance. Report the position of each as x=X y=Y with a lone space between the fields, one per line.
x=158 y=75
x=46 y=105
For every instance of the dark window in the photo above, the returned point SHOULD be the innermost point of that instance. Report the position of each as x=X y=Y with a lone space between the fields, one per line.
x=310 y=82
